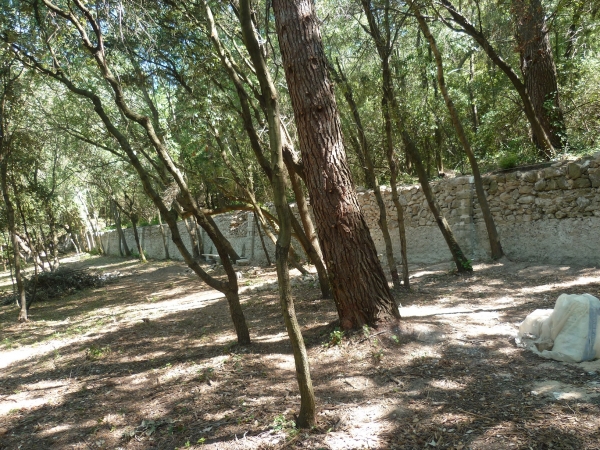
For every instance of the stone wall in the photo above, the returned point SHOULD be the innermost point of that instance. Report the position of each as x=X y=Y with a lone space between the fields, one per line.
x=547 y=215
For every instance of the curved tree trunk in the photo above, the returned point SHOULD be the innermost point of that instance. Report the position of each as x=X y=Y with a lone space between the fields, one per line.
x=494 y=239
x=462 y=262
x=391 y=107
x=360 y=289
x=307 y=415
x=311 y=242
x=260 y=235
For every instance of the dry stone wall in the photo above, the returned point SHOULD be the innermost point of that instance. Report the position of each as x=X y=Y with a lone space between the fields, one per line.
x=547 y=214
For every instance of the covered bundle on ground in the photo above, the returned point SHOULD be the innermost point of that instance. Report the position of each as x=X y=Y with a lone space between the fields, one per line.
x=570 y=332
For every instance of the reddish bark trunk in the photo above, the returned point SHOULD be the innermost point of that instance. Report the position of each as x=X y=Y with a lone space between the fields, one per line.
x=538 y=69
x=360 y=290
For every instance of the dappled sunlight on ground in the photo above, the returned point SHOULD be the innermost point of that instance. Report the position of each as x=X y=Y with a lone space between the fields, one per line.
x=149 y=361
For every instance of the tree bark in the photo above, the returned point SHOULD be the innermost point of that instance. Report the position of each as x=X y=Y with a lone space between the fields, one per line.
x=12 y=229
x=191 y=229
x=307 y=414
x=122 y=242
x=262 y=239
x=360 y=289
x=542 y=137
x=134 y=221
x=494 y=239
x=369 y=172
x=164 y=236
x=538 y=68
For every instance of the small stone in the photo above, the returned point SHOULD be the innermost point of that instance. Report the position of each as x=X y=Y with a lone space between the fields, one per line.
x=530 y=177
x=551 y=185
x=540 y=185
x=552 y=172
x=573 y=170
x=582 y=202
x=560 y=214
x=493 y=187
x=594 y=175
x=582 y=183
x=526 y=189
x=563 y=183
x=526 y=199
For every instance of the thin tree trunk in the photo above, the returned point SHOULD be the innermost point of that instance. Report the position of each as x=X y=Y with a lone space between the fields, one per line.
x=472 y=102
x=164 y=236
x=360 y=289
x=390 y=105
x=307 y=415
x=53 y=238
x=262 y=240
x=134 y=221
x=229 y=288
x=462 y=262
x=12 y=229
x=191 y=229
x=388 y=102
x=311 y=246
x=123 y=247
x=494 y=239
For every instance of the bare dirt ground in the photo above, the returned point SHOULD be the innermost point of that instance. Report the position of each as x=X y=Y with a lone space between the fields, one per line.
x=150 y=362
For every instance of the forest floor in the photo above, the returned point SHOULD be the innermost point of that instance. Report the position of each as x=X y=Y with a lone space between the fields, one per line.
x=150 y=361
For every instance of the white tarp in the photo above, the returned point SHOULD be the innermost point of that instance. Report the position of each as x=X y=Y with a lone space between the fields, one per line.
x=570 y=332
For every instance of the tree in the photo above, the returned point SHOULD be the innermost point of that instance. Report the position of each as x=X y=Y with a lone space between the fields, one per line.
x=165 y=174
x=538 y=69
x=391 y=108
x=494 y=239
x=360 y=290
x=540 y=134
x=8 y=78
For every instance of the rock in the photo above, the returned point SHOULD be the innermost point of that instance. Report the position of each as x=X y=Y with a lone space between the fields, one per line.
x=552 y=172
x=526 y=189
x=530 y=177
x=582 y=183
x=560 y=214
x=526 y=199
x=594 y=175
x=582 y=202
x=563 y=183
x=551 y=185
x=493 y=187
x=573 y=170
x=540 y=185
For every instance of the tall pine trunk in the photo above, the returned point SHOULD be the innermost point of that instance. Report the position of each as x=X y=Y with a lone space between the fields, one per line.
x=359 y=286
x=538 y=68
x=369 y=172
